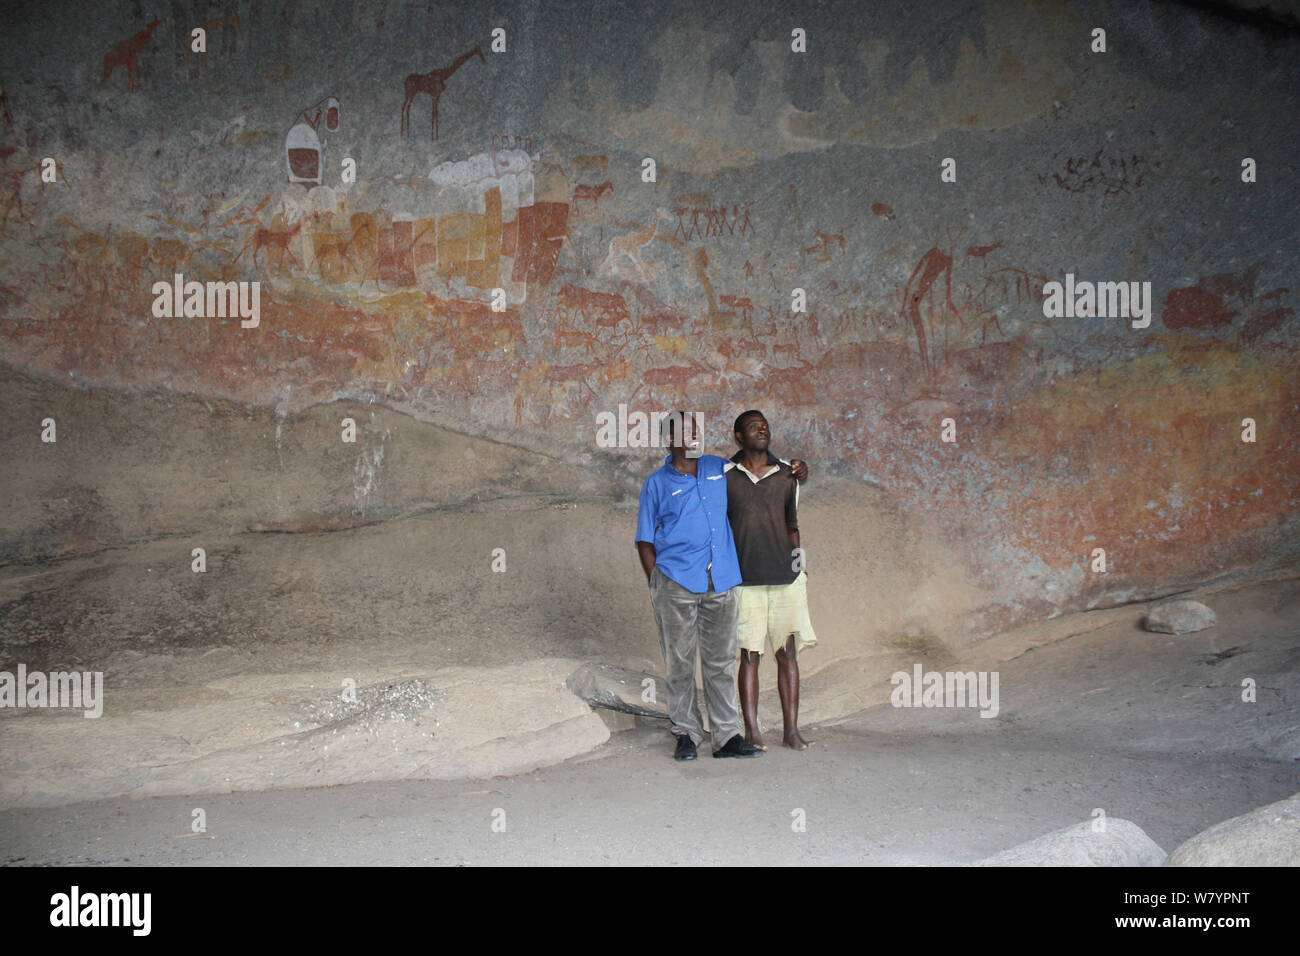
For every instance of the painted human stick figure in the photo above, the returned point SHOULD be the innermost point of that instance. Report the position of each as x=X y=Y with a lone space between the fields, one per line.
x=433 y=83
x=124 y=54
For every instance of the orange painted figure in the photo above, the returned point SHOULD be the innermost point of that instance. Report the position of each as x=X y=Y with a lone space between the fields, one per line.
x=932 y=265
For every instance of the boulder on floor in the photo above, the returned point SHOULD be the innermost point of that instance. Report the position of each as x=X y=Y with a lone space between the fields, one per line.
x=1179 y=617
x=1269 y=836
x=1120 y=843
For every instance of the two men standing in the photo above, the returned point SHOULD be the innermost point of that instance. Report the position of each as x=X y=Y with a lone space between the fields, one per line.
x=685 y=542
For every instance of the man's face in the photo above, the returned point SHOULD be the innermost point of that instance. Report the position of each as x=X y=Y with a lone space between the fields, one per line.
x=754 y=434
x=684 y=434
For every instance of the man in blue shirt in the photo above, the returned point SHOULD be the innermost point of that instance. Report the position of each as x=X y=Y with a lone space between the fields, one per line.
x=684 y=541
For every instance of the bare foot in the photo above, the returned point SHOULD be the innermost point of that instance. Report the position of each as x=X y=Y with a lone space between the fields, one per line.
x=756 y=739
x=794 y=741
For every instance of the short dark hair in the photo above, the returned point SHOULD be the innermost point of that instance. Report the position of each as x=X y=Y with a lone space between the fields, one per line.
x=673 y=425
x=740 y=420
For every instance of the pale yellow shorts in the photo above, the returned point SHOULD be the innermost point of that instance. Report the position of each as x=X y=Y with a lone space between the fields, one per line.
x=770 y=613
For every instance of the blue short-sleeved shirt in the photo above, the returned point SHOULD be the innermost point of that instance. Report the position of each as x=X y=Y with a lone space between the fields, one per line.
x=685 y=518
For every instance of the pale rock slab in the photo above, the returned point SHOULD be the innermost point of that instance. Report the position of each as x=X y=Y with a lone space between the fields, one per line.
x=1121 y=843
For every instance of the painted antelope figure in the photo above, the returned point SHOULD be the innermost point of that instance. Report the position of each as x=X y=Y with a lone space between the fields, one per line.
x=825 y=243
x=662 y=323
x=592 y=194
x=630 y=246
x=744 y=304
x=736 y=350
x=276 y=239
x=790 y=349
x=565 y=376
x=605 y=309
x=125 y=52
x=433 y=83
x=264 y=238
x=791 y=384
x=565 y=338
x=672 y=377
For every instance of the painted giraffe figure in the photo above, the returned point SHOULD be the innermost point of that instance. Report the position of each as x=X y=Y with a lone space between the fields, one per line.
x=433 y=83
x=125 y=52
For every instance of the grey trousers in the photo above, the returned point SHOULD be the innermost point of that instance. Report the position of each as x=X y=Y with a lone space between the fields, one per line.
x=688 y=620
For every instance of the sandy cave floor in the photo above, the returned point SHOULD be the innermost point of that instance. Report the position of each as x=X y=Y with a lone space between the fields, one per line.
x=1148 y=727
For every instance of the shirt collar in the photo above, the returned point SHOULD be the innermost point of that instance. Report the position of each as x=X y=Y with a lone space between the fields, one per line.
x=668 y=464
x=739 y=456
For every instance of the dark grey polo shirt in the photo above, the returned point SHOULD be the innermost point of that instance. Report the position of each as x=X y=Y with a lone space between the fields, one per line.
x=760 y=511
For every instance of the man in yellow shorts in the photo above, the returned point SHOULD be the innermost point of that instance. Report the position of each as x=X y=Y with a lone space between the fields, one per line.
x=762 y=508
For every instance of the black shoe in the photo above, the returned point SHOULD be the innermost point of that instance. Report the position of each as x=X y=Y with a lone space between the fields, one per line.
x=737 y=746
x=685 y=748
